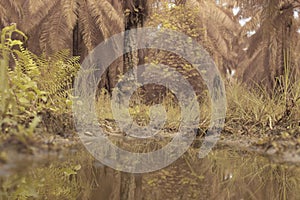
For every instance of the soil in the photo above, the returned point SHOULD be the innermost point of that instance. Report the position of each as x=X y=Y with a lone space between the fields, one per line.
x=280 y=148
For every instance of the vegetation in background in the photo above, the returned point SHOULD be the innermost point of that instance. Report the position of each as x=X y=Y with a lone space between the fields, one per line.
x=81 y=25
x=251 y=110
x=37 y=88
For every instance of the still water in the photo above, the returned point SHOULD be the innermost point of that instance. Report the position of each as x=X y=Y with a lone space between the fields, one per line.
x=225 y=173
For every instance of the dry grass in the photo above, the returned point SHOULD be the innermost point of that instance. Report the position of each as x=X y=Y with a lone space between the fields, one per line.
x=248 y=110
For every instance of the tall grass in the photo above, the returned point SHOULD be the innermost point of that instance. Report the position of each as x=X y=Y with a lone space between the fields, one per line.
x=257 y=110
x=249 y=110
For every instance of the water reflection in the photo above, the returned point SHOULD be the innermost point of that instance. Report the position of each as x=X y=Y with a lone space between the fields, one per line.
x=224 y=174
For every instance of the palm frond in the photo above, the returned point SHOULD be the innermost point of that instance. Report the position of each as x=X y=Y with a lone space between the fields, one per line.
x=114 y=18
x=55 y=33
x=106 y=17
x=253 y=24
x=13 y=5
x=36 y=12
x=87 y=26
x=222 y=34
x=35 y=6
x=3 y=17
x=70 y=9
x=97 y=14
x=11 y=11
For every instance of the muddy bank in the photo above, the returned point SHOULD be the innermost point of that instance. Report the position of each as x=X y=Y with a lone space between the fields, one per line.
x=276 y=148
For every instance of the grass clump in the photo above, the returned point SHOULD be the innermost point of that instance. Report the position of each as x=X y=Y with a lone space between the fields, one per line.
x=257 y=110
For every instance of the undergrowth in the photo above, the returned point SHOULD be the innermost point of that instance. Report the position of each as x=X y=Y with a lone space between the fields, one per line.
x=35 y=91
x=249 y=110
x=33 y=88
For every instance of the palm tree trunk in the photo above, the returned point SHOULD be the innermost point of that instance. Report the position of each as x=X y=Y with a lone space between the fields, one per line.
x=76 y=40
x=135 y=14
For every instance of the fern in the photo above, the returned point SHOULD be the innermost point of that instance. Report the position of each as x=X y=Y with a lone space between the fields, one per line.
x=53 y=74
x=36 y=84
x=58 y=74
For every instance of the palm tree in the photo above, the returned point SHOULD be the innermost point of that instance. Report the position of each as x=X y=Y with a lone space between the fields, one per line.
x=50 y=24
x=274 y=46
x=261 y=57
x=66 y=24
x=216 y=29
x=82 y=24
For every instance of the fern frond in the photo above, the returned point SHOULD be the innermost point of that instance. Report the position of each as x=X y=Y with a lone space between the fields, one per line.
x=62 y=55
x=26 y=62
x=58 y=73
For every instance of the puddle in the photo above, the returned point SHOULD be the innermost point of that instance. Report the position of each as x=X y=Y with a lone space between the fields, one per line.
x=224 y=174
